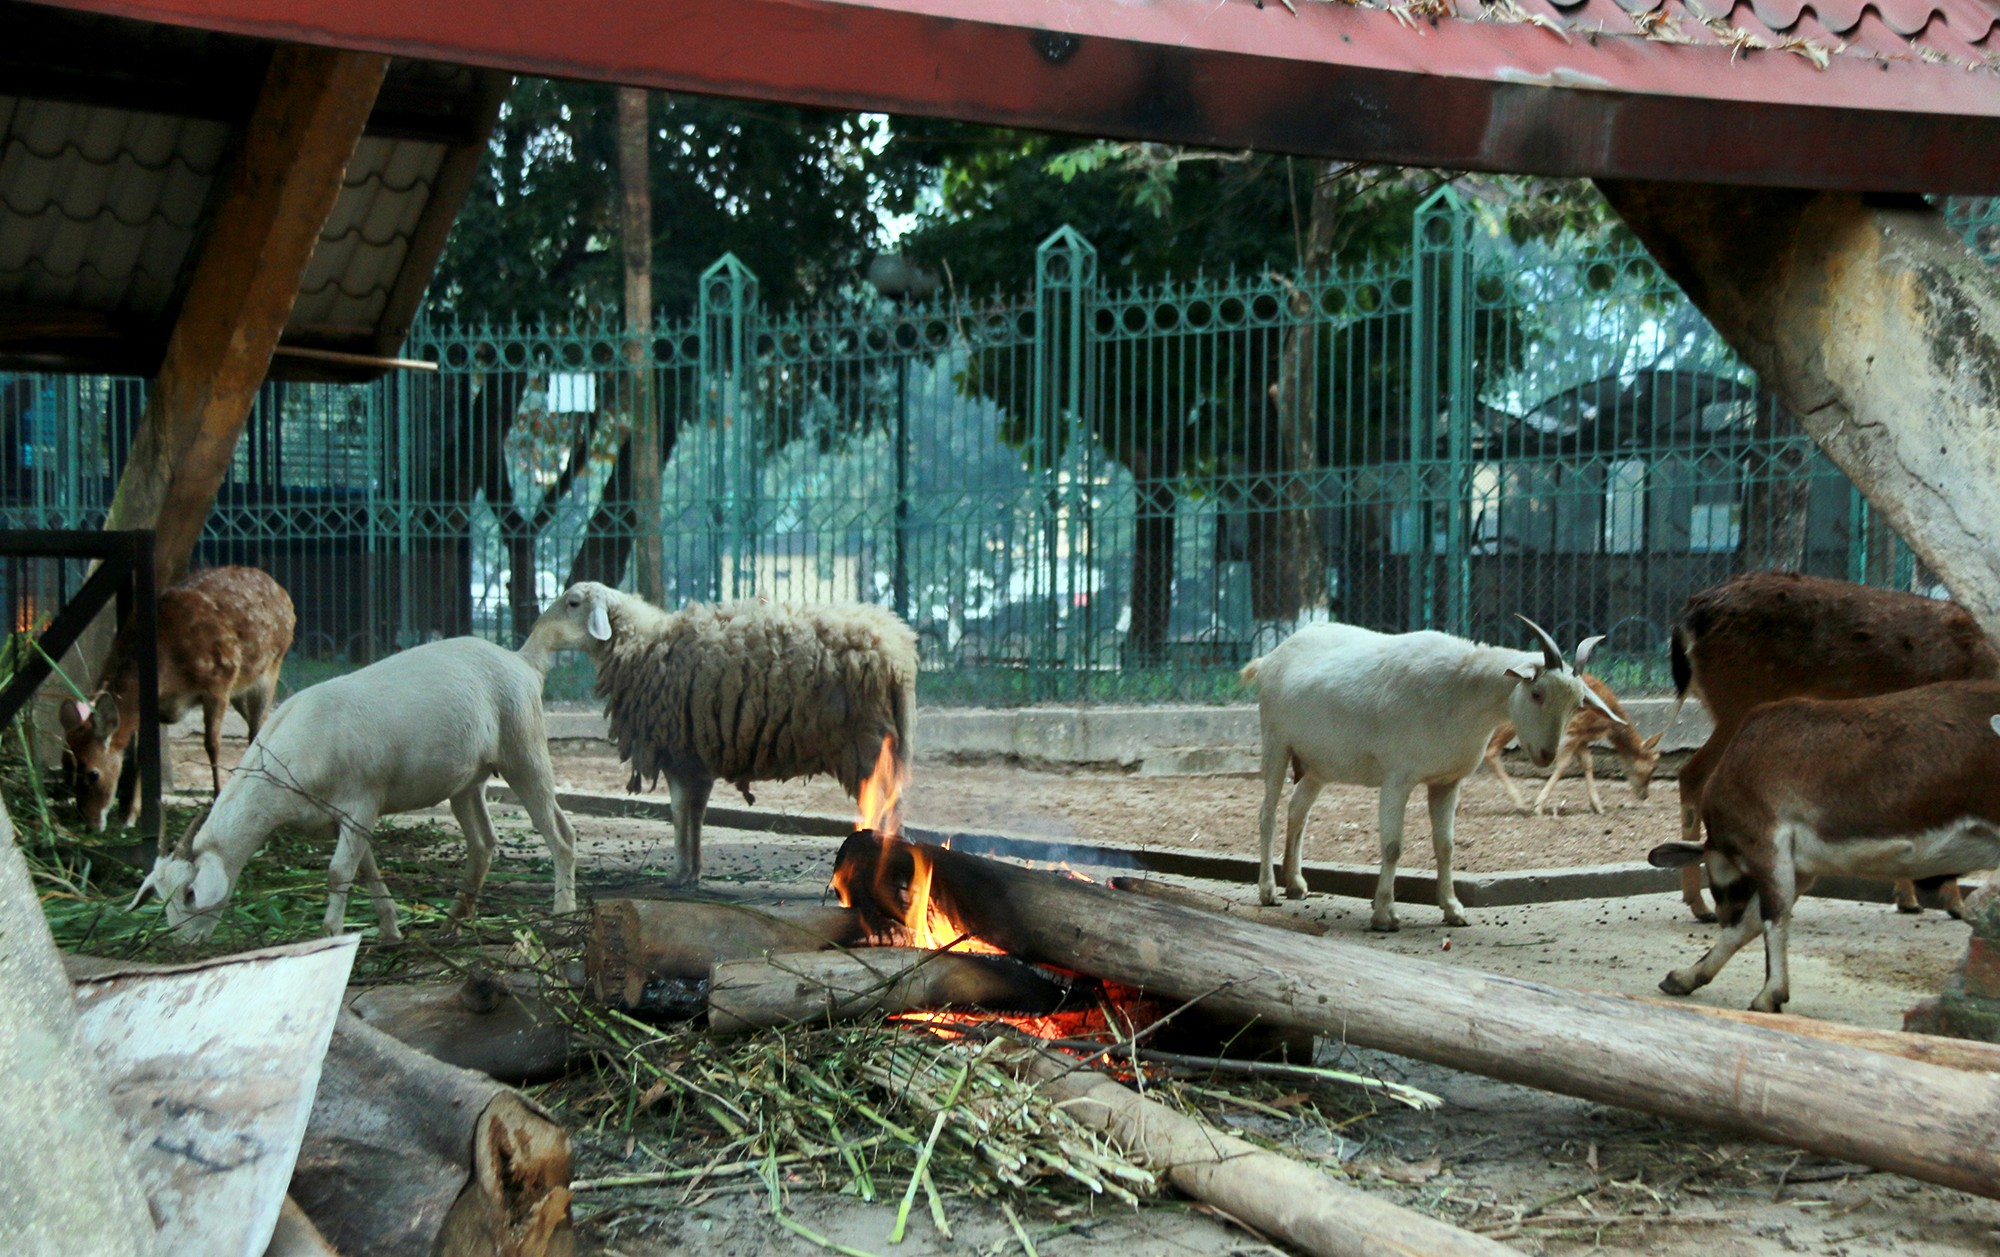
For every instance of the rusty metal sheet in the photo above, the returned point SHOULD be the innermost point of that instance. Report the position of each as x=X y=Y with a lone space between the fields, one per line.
x=212 y=1068
x=1700 y=90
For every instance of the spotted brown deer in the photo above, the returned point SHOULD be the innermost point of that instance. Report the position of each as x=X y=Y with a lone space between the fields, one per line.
x=1641 y=755
x=1899 y=785
x=1764 y=636
x=223 y=632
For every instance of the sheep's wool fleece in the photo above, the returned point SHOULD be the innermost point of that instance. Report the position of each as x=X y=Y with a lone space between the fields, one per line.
x=752 y=691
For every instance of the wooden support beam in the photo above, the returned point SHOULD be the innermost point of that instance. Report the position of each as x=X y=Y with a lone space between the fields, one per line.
x=1876 y=325
x=262 y=230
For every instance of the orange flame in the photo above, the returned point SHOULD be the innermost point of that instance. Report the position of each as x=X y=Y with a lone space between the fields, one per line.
x=880 y=802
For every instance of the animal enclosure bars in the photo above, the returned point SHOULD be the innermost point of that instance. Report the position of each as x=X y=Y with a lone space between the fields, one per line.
x=1082 y=491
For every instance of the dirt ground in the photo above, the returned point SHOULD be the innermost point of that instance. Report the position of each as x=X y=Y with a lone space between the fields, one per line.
x=1219 y=813
x=1544 y=1173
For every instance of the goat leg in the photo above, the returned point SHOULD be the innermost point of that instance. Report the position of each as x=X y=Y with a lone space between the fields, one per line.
x=1444 y=814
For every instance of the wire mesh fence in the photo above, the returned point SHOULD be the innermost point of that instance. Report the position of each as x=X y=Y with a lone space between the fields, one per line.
x=1085 y=492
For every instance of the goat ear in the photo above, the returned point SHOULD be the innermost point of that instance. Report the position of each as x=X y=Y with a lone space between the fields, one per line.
x=211 y=882
x=1675 y=855
x=1525 y=671
x=74 y=714
x=1591 y=699
x=600 y=620
x=1653 y=743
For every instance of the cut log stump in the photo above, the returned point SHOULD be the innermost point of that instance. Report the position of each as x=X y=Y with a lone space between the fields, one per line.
x=500 y=1025
x=635 y=943
x=406 y=1156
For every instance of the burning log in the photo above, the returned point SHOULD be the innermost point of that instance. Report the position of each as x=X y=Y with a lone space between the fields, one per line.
x=637 y=942
x=501 y=1026
x=795 y=988
x=406 y=1156
x=1274 y=1194
x=1276 y=918
x=1748 y=1080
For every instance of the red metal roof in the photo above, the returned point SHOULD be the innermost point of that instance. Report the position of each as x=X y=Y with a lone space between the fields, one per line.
x=1886 y=95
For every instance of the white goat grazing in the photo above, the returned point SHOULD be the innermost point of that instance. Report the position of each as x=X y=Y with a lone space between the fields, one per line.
x=741 y=692
x=1339 y=703
x=418 y=728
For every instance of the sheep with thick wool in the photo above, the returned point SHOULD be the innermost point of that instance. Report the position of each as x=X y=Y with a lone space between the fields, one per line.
x=741 y=692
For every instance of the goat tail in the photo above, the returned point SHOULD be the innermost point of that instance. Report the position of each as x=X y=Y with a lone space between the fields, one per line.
x=1249 y=674
x=1683 y=670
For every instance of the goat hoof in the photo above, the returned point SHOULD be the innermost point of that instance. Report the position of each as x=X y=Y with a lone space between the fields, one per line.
x=1909 y=909
x=1455 y=918
x=1269 y=898
x=1675 y=984
x=1296 y=891
x=1385 y=925
x=1767 y=1004
x=1704 y=916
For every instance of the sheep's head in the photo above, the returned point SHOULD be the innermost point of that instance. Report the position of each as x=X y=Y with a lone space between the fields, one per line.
x=93 y=761
x=579 y=620
x=192 y=891
x=1546 y=694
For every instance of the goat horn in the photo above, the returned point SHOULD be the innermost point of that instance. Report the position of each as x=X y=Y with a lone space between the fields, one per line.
x=1583 y=650
x=1551 y=653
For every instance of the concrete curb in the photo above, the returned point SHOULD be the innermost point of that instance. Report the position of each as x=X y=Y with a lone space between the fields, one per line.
x=1475 y=890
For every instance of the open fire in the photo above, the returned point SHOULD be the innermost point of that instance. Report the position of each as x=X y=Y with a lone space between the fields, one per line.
x=890 y=884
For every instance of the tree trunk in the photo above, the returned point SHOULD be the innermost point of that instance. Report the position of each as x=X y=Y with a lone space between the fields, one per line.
x=607 y=535
x=1287 y=561
x=815 y=988
x=1152 y=571
x=1309 y=1210
x=636 y=243
x=1876 y=325
x=1778 y=501
x=634 y=942
x=1824 y=1097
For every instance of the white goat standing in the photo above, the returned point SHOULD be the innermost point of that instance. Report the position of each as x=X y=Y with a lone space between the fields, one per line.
x=409 y=732
x=1340 y=703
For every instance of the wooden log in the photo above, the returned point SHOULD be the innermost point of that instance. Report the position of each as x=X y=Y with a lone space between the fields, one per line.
x=1932 y=1049
x=1911 y=1118
x=500 y=1025
x=634 y=942
x=406 y=1156
x=1274 y=1194
x=296 y=1236
x=823 y=987
x=1276 y=918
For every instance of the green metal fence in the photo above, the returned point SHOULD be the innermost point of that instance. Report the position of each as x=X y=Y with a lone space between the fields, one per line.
x=1086 y=492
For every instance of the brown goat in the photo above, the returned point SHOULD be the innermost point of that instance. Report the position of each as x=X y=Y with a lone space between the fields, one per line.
x=1901 y=785
x=1585 y=728
x=223 y=634
x=1764 y=636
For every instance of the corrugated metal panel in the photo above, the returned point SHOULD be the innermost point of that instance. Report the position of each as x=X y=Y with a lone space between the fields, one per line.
x=367 y=237
x=99 y=206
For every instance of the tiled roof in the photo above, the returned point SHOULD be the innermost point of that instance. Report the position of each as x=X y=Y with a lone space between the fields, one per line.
x=106 y=180
x=1964 y=33
x=1864 y=95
